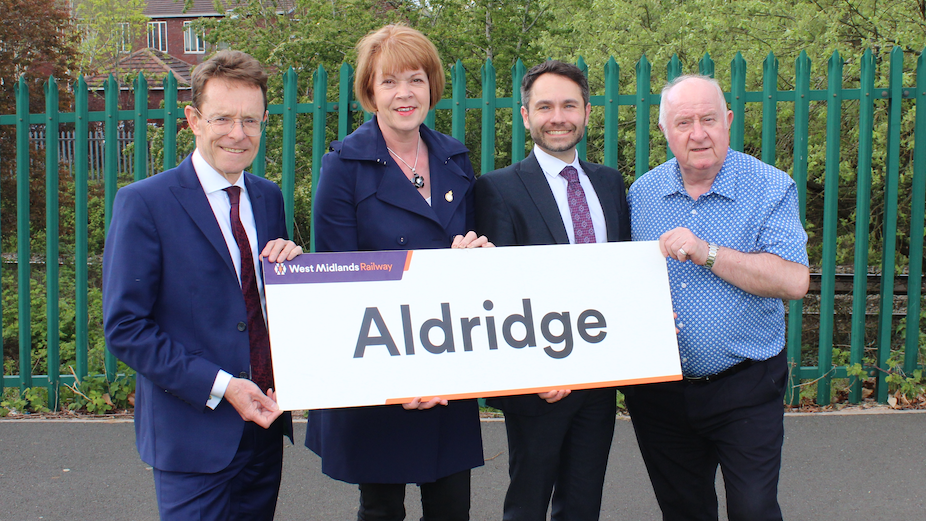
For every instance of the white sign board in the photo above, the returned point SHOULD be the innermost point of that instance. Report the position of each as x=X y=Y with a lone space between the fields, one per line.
x=373 y=328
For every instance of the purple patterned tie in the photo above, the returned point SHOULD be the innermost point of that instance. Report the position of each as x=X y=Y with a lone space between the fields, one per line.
x=261 y=367
x=582 y=225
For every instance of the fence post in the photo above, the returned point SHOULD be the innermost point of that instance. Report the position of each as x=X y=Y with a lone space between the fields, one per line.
x=458 y=110
x=738 y=101
x=643 y=106
x=862 y=219
x=320 y=89
x=517 y=123
x=288 y=163
x=22 y=234
x=673 y=70
x=582 y=145
x=170 y=121
x=769 y=108
x=611 y=112
x=830 y=221
x=488 y=117
x=110 y=176
x=346 y=104
x=799 y=174
x=918 y=208
x=81 y=312
x=889 y=236
x=706 y=65
x=141 y=127
x=52 y=327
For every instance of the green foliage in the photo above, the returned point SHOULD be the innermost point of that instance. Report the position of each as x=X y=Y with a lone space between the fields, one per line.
x=903 y=385
x=109 y=28
x=97 y=395
x=32 y=400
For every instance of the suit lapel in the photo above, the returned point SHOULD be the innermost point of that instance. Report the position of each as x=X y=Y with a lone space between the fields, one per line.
x=539 y=190
x=190 y=195
x=447 y=191
x=259 y=210
x=608 y=205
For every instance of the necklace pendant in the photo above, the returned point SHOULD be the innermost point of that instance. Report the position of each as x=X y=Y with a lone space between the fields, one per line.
x=418 y=181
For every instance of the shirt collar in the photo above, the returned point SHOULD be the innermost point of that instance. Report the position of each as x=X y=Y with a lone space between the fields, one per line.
x=210 y=178
x=552 y=166
x=724 y=183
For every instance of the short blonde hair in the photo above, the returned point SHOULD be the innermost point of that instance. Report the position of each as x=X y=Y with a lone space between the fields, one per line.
x=395 y=48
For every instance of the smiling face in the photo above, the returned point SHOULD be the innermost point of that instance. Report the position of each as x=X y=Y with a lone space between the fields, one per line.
x=402 y=100
x=697 y=127
x=556 y=115
x=232 y=153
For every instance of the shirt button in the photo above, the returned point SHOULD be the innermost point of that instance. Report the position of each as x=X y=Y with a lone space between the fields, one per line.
x=401 y=240
x=684 y=285
x=242 y=374
x=242 y=326
x=684 y=359
x=694 y=212
x=680 y=325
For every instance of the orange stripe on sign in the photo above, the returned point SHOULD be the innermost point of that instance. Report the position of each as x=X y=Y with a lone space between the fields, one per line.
x=408 y=261
x=534 y=390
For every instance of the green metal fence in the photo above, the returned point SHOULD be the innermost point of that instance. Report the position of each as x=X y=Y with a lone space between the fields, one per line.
x=904 y=105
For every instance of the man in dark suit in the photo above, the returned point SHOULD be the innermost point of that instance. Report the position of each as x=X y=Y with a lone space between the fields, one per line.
x=558 y=441
x=183 y=306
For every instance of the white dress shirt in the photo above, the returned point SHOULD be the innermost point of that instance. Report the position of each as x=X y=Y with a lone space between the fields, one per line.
x=214 y=185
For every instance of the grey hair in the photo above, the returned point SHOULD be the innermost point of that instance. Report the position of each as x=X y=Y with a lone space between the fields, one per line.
x=669 y=86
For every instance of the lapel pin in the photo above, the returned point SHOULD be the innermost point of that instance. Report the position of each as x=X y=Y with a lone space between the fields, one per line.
x=449 y=196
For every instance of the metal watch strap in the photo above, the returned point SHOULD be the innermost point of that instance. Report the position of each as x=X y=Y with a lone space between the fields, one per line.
x=711 y=255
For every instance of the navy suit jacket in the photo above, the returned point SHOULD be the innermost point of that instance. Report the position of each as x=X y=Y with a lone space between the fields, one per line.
x=365 y=202
x=515 y=207
x=173 y=311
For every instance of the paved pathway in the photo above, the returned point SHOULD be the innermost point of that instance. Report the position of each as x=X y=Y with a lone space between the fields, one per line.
x=836 y=466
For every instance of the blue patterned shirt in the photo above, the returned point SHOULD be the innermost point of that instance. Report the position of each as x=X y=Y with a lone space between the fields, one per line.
x=751 y=207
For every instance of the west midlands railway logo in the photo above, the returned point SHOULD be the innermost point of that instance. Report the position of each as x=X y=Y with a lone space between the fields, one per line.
x=279 y=268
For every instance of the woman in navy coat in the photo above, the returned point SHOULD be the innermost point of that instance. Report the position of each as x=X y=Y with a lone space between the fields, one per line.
x=394 y=184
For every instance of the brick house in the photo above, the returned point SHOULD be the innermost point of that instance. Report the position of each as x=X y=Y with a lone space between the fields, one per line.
x=170 y=45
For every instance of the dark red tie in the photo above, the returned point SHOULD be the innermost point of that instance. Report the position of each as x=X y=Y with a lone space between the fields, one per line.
x=582 y=225
x=261 y=367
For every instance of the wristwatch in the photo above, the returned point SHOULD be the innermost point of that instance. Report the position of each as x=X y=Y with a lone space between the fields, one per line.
x=711 y=255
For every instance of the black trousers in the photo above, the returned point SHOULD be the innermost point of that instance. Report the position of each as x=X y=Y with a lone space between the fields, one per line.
x=686 y=429
x=563 y=454
x=446 y=499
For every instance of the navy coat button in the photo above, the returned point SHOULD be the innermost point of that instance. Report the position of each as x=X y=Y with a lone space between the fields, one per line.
x=242 y=326
x=242 y=374
x=401 y=240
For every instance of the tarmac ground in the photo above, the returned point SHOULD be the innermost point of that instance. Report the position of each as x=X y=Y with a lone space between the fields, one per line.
x=857 y=466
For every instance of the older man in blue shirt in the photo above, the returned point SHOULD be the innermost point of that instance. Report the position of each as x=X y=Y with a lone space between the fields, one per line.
x=730 y=228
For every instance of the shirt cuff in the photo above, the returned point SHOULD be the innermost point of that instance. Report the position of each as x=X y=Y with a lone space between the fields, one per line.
x=218 y=389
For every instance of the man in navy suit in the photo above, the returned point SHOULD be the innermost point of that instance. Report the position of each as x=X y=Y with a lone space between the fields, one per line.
x=183 y=306
x=558 y=441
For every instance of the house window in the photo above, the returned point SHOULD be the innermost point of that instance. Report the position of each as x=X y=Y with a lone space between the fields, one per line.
x=157 y=36
x=193 y=40
x=121 y=37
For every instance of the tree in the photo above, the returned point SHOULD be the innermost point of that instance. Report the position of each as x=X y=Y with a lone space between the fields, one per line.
x=108 y=28
x=38 y=42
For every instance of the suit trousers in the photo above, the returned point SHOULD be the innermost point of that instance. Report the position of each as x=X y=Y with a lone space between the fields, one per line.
x=446 y=499
x=686 y=429
x=246 y=489
x=563 y=454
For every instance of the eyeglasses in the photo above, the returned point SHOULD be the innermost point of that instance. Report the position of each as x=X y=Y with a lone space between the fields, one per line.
x=221 y=125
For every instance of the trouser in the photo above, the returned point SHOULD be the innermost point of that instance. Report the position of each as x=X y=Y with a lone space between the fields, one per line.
x=446 y=499
x=686 y=429
x=245 y=490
